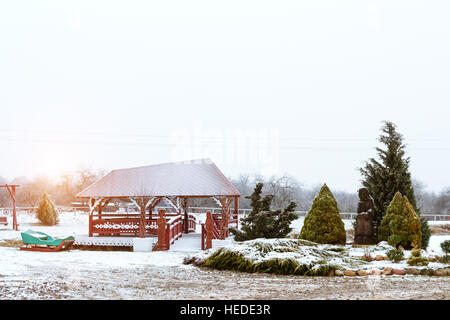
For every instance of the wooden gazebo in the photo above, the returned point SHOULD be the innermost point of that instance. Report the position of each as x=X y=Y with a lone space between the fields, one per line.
x=147 y=186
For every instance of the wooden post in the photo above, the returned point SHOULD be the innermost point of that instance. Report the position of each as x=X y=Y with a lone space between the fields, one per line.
x=224 y=221
x=186 y=216
x=90 y=224
x=209 y=229
x=236 y=211
x=142 y=220
x=167 y=240
x=13 y=195
x=161 y=245
x=100 y=209
x=12 y=192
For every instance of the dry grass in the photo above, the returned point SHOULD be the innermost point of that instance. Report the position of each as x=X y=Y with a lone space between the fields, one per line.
x=440 y=229
x=11 y=243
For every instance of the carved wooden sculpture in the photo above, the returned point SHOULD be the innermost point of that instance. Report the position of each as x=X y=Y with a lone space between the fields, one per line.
x=364 y=220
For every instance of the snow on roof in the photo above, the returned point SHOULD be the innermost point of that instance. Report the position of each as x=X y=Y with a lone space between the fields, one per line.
x=195 y=178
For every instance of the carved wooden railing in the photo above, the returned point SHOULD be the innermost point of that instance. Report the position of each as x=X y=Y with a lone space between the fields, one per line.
x=108 y=224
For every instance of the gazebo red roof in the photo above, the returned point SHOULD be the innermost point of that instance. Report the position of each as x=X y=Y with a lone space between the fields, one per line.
x=196 y=178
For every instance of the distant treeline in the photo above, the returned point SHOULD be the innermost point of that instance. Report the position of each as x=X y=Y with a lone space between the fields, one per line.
x=62 y=192
x=285 y=189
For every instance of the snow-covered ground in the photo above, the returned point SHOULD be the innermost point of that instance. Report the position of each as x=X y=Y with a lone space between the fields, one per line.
x=78 y=274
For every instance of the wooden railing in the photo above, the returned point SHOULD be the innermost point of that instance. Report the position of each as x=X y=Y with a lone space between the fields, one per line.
x=210 y=230
x=116 y=224
x=174 y=230
x=192 y=222
x=109 y=224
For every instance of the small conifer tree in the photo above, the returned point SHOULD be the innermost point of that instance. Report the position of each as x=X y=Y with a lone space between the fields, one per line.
x=445 y=246
x=416 y=258
x=262 y=222
x=401 y=225
x=46 y=211
x=323 y=224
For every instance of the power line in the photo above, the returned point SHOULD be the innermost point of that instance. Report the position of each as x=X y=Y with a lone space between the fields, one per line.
x=200 y=145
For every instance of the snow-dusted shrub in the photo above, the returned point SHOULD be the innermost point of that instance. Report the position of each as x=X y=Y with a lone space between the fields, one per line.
x=323 y=224
x=426 y=232
x=401 y=225
x=395 y=255
x=282 y=256
x=445 y=246
x=262 y=222
x=46 y=211
x=416 y=258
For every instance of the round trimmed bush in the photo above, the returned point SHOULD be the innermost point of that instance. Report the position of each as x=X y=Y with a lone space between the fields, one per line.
x=323 y=224
x=401 y=225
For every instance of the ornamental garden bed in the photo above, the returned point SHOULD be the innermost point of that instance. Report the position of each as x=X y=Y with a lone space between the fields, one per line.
x=306 y=258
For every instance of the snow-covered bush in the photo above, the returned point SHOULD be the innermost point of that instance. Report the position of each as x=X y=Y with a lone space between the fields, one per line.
x=395 y=255
x=262 y=222
x=46 y=211
x=416 y=258
x=323 y=224
x=283 y=256
x=445 y=246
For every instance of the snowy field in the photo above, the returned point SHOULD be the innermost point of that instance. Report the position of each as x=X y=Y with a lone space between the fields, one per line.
x=78 y=274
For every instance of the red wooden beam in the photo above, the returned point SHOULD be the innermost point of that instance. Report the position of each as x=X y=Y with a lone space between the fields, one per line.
x=12 y=192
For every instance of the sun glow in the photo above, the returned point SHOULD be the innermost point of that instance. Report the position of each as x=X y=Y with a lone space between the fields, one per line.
x=53 y=160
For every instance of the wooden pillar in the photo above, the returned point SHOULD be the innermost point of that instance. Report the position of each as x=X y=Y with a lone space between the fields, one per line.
x=209 y=229
x=186 y=216
x=150 y=210
x=13 y=195
x=236 y=211
x=142 y=220
x=90 y=224
x=161 y=245
x=100 y=209
x=167 y=239
x=91 y=212
x=224 y=220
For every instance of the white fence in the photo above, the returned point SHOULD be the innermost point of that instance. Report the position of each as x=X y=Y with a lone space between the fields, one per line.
x=243 y=212
x=344 y=215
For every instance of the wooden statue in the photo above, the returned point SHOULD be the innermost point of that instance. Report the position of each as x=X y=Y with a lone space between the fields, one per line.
x=364 y=219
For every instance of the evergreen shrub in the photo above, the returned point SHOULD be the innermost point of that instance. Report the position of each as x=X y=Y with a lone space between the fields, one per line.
x=46 y=212
x=416 y=258
x=395 y=255
x=401 y=225
x=323 y=224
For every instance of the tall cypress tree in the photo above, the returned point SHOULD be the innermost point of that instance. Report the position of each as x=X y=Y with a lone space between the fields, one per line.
x=389 y=175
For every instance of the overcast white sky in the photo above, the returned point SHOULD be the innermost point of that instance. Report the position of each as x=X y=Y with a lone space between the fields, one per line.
x=271 y=87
